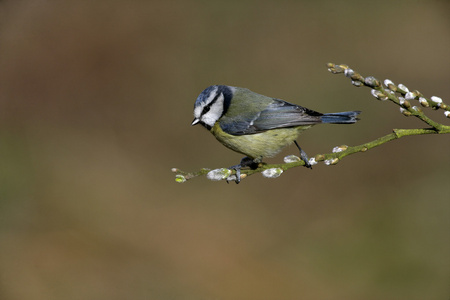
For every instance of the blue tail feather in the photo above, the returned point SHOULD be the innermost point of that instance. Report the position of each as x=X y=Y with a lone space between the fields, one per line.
x=346 y=117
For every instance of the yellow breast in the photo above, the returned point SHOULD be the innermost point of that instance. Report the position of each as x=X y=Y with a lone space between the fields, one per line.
x=265 y=144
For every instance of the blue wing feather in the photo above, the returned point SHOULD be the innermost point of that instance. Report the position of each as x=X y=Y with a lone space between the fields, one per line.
x=278 y=114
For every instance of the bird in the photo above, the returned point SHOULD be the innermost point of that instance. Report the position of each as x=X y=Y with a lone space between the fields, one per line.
x=255 y=125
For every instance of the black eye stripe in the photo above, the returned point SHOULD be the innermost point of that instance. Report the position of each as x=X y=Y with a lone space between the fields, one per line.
x=210 y=104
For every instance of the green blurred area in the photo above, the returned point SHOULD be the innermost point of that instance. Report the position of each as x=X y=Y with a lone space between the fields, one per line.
x=96 y=101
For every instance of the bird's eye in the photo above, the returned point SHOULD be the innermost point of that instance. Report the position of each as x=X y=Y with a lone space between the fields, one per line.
x=206 y=109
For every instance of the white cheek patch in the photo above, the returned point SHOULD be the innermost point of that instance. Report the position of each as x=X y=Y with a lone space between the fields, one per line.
x=215 y=112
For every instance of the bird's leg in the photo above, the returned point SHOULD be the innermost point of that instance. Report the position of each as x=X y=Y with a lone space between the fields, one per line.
x=303 y=156
x=245 y=162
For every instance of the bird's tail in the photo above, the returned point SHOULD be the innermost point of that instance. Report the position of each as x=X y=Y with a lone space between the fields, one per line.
x=346 y=117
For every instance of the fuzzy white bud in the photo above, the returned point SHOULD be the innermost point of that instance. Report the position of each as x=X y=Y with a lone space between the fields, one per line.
x=403 y=88
x=409 y=96
x=348 y=72
x=218 y=174
x=312 y=161
x=272 y=173
x=379 y=95
x=405 y=112
x=336 y=149
x=374 y=93
x=291 y=159
x=447 y=113
x=424 y=102
x=331 y=161
x=436 y=99
x=388 y=82
x=356 y=83
x=180 y=178
x=372 y=82
x=339 y=148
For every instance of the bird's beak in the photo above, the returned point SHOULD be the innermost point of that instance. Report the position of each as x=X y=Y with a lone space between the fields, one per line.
x=195 y=122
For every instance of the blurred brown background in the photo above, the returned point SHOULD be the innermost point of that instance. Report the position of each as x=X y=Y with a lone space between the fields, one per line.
x=96 y=101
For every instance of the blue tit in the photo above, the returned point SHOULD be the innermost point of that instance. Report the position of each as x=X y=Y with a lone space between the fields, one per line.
x=255 y=125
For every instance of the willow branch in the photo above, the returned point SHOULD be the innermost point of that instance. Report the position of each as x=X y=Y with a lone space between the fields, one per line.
x=397 y=94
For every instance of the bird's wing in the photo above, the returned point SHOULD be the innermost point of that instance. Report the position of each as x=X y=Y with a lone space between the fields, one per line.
x=278 y=114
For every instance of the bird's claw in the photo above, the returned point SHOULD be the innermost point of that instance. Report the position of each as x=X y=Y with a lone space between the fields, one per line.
x=245 y=162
